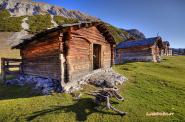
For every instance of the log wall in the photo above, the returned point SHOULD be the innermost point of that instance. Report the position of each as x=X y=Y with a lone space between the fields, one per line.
x=80 y=56
x=42 y=58
x=143 y=53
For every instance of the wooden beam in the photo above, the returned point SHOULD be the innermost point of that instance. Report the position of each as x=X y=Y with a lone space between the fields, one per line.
x=12 y=60
x=11 y=66
x=66 y=39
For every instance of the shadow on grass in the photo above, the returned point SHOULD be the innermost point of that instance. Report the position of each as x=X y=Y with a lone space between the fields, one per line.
x=82 y=108
x=14 y=92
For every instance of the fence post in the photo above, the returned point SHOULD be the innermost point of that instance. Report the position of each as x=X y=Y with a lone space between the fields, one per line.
x=3 y=73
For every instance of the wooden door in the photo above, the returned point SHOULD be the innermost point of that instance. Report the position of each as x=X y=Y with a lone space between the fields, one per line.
x=96 y=56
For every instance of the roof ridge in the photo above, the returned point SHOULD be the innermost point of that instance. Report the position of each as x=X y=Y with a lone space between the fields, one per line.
x=82 y=24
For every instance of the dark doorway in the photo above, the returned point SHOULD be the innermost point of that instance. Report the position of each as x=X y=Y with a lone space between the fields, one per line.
x=96 y=56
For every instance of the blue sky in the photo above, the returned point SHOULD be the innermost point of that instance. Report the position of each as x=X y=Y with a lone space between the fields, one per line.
x=166 y=17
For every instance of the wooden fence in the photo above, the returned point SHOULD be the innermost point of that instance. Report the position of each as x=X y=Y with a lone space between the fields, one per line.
x=10 y=67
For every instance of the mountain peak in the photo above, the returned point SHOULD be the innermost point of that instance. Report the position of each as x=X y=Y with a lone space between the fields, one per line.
x=28 y=7
x=20 y=0
x=136 y=33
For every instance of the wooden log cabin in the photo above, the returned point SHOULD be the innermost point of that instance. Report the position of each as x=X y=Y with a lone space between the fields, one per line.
x=166 y=50
x=68 y=52
x=139 y=50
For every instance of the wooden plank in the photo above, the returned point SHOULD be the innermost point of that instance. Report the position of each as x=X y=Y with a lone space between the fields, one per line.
x=11 y=66
x=12 y=60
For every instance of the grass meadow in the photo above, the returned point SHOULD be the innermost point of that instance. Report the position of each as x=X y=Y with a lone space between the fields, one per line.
x=152 y=87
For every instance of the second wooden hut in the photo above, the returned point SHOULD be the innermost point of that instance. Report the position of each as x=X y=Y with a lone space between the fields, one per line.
x=139 y=50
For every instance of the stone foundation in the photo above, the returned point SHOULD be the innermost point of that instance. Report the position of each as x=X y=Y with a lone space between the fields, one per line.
x=44 y=85
x=100 y=78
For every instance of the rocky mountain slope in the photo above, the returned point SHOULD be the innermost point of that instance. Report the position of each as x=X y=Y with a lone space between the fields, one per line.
x=28 y=7
x=136 y=33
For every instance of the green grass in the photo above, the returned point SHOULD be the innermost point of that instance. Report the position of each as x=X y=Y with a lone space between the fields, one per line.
x=152 y=87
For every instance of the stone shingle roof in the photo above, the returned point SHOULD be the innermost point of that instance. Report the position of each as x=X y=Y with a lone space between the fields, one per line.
x=143 y=42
